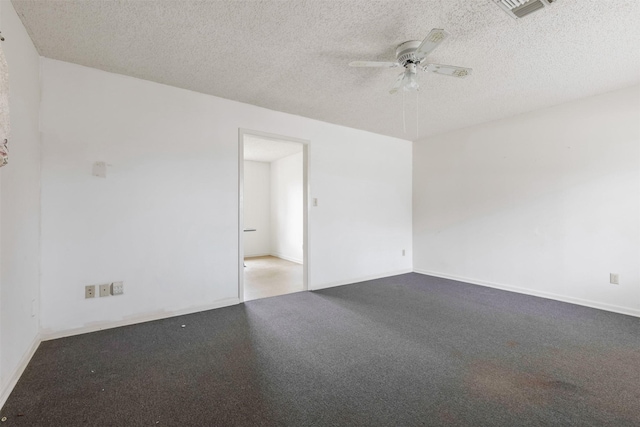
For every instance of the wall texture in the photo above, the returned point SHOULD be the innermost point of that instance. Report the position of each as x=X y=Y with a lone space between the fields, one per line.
x=165 y=219
x=257 y=208
x=287 y=200
x=19 y=205
x=546 y=203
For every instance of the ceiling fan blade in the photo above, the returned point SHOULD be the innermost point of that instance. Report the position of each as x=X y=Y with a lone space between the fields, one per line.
x=397 y=84
x=373 y=64
x=448 y=70
x=432 y=41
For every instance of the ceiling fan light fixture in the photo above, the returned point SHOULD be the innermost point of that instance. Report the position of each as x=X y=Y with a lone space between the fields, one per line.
x=411 y=82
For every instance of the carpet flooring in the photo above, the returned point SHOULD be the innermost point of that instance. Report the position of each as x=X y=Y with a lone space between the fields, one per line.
x=408 y=350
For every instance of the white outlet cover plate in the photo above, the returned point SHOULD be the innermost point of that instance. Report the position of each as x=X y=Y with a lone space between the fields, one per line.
x=90 y=291
x=100 y=169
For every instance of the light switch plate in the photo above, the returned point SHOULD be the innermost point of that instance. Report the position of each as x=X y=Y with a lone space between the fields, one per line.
x=104 y=290
x=614 y=279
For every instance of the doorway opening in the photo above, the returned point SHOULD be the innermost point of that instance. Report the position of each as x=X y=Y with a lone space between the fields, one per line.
x=273 y=256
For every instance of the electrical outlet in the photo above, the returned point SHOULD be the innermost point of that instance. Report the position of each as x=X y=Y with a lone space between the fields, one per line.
x=100 y=169
x=403 y=253
x=614 y=279
x=90 y=291
x=104 y=290
x=117 y=288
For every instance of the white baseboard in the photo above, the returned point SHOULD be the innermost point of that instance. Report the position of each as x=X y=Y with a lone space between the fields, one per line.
x=287 y=258
x=587 y=303
x=359 y=279
x=99 y=326
x=8 y=388
x=257 y=255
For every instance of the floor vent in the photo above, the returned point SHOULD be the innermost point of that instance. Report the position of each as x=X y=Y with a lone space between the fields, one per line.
x=520 y=8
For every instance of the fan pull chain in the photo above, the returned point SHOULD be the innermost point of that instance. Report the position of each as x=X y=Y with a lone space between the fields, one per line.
x=417 y=116
x=404 y=121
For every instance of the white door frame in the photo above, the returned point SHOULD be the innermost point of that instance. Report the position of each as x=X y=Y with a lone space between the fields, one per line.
x=305 y=210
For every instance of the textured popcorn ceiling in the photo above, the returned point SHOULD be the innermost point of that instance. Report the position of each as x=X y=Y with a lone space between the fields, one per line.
x=267 y=150
x=292 y=56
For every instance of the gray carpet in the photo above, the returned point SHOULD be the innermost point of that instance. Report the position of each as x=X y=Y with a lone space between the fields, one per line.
x=409 y=350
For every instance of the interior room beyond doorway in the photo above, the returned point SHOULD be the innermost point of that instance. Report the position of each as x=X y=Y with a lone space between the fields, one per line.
x=273 y=217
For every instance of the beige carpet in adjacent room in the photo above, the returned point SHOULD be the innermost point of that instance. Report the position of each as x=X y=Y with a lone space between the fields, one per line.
x=268 y=276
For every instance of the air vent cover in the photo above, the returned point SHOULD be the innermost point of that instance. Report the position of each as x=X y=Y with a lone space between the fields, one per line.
x=521 y=8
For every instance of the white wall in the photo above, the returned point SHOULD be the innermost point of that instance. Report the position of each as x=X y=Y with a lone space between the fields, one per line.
x=165 y=220
x=257 y=208
x=547 y=203
x=287 y=203
x=19 y=205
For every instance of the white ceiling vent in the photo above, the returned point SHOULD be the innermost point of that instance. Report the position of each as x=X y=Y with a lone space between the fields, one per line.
x=520 y=8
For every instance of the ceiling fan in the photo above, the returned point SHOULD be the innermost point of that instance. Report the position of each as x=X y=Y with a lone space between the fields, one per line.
x=412 y=56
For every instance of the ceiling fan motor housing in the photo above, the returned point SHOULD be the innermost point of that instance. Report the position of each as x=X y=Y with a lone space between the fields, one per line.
x=405 y=52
